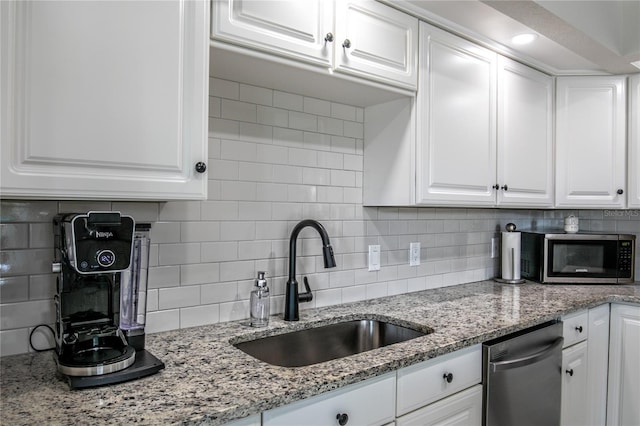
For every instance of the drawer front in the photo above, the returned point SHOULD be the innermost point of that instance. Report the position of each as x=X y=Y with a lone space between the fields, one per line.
x=461 y=409
x=424 y=383
x=369 y=403
x=575 y=328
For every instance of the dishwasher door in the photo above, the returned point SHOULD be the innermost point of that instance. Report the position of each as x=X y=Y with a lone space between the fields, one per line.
x=523 y=378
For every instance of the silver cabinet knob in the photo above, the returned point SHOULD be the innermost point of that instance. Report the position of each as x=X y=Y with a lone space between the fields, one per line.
x=328 y=38
x=346 y=43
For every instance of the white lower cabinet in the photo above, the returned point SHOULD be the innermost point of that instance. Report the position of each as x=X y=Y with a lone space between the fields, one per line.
x=247 y=421
x=371 y=402
x=461 y=409
x=624 y=366
x=574 y=385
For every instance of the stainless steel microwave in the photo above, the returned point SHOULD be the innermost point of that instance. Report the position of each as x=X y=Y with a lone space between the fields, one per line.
x=549 y=257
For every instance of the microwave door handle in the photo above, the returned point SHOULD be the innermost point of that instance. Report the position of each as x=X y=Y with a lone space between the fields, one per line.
x=527 y=360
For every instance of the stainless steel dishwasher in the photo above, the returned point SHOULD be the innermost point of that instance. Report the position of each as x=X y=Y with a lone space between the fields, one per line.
x=522 y=375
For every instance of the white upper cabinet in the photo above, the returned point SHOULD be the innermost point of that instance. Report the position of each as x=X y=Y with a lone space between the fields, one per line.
x=591 y=142
x=634 y=142
x=104 y=99
x=525 y=136
x=363 y=38
x=456 y=125
x=300 y=30
x=377 y=42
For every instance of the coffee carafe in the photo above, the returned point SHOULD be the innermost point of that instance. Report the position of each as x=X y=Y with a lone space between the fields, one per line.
x=101 y=259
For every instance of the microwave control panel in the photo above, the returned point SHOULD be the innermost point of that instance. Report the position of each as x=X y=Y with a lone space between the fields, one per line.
x=625 y=258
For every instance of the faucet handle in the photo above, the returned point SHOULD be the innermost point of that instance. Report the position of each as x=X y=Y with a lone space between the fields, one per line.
x=307 y=296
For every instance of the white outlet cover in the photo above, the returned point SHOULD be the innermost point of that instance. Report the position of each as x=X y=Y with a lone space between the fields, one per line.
x=374 y=257
x=414 y=254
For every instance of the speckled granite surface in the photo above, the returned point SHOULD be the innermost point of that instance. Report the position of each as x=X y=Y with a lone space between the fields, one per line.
x=208 y=381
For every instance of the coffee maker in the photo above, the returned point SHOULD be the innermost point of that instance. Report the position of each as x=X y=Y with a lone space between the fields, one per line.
x=101 y=259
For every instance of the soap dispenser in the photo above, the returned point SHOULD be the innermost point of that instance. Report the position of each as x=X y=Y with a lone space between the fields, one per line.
x=260 y=302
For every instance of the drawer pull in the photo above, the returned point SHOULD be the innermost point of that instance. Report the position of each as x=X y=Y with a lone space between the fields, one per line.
x=579 y=329
x=342 y=419
x=570 y=372
x=448 y=377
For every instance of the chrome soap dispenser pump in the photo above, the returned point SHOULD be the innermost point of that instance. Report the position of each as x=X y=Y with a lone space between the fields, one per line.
x=260 y=302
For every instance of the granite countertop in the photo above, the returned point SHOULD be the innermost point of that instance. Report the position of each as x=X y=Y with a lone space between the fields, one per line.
x=208 y=381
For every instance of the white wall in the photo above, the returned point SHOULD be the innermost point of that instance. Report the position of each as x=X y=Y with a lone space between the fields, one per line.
x=275 y=158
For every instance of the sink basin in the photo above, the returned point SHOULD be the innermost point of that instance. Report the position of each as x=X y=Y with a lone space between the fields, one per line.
x=327 y=342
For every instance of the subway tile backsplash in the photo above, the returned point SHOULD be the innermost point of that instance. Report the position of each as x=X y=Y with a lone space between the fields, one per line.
x=275 y=158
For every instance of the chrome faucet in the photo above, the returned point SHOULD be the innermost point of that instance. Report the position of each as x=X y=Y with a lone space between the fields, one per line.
x=292 y=297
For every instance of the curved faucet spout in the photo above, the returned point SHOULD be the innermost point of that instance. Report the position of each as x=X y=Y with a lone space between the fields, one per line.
x=292 y=298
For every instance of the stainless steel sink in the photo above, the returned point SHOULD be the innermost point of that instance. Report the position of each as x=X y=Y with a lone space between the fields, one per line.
x=327 y=342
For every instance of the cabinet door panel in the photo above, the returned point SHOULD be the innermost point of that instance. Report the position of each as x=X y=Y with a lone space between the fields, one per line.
x=624 y=368
x=597 y=365
x=461 y=409
x=590 y=142
x=383 y=42
x=104 y=99
x=574 y=385
x=634 y=142
x=525 y=136
x=456 y=121
x=292 y=28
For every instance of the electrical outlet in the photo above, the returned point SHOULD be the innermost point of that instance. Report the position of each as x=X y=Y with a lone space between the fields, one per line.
x=374 y=258
x=414 y=254
x=494 y=247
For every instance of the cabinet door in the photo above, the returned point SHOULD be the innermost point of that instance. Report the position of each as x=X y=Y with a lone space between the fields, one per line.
x=376 y=41
x=369 y=403
x=456 y=144
x=591 y=142
x=461 y=409
x=574 y=385
x=597 y=365
x=291 y=28
x=634 y=142
x=525 y=136
x=624 y=368
x=104 y=99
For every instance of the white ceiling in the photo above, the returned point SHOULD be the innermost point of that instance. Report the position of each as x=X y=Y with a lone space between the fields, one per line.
x=574 y=36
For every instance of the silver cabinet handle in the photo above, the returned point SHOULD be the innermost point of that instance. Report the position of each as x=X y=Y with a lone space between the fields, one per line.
x=346 y=43
x=527 y=360
x=328 y=38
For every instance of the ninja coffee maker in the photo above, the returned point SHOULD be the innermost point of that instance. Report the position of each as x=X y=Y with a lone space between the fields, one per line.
x=101 y=259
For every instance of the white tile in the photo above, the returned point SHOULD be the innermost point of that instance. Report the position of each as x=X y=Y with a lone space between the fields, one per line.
x=191 y=232
x=15 y=235
x=354 y=294
x=199 y=315
x=224 y=88
x=343 y=144
x=238 y=111
x=303 y=157
x=288 y=101
x=318 y=211
x=287 y=174
x=353 y=130
x=341 y=279
x=328 y=297
x=152 y=300
x=219 y=210
x=214 y=107
x=353 y=162
x=302 y=121
x=254 y=250
x=42 y=286
x=28 y=211
x=255 y=172
x=330 y=126
x=199 y=273
x=27 y=314
x=273 y=116
x=238 y=150
x=14 y=289
x=302 y=193
x=353 y=196
x=223 y=129
x=272 y=154
x=179 y=210
x=376 y=290
x=178 y=254
x=397 y=287
x=24 y=262
x=317 y=106
x=162 y=321
x=288 y=137
x=83 y=206
x=233 y=271
x=271 y=230
x=219 y=252
x=316 y=176
x=258 y=210
x=213 y=147
x=343 y=112
x=343 y=212
x=164 y=276
x=317 y=141
x=331 y=160
x=14 y=342
x=178 y=297
x=219 y=292
x=271 y=192
x=239 y=191
x=256 y=95
x=329 y=194
x=257 y=133
x=237 y=231
x=286 y=211
x=234 y=311
x=141 y=212
x=360 y=115
x=165 y=232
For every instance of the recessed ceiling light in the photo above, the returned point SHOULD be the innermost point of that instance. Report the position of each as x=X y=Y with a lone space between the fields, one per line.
x=524 y=38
